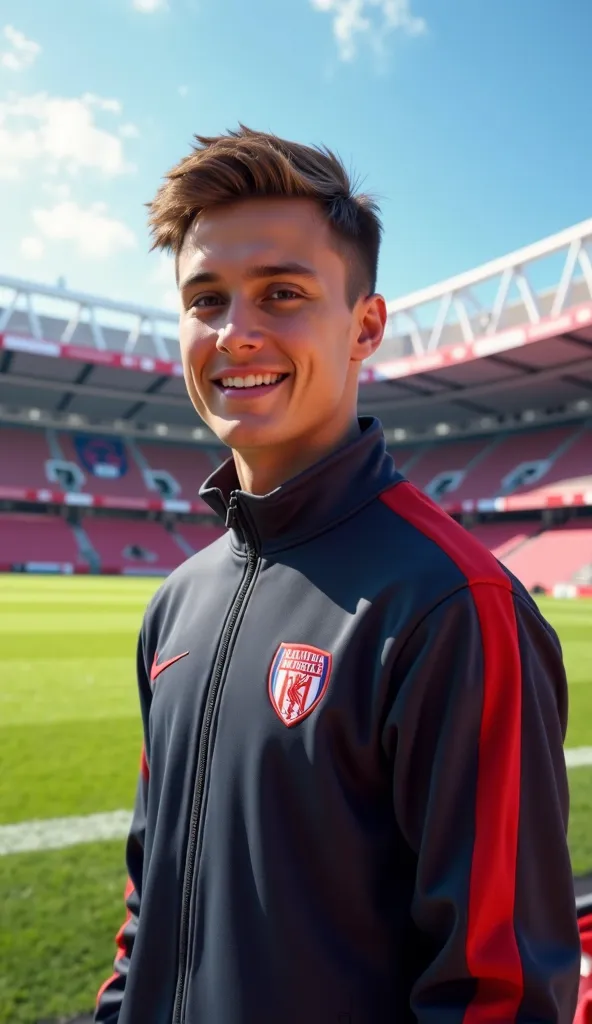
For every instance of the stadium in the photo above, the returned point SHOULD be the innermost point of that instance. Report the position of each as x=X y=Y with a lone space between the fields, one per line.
x=484 y=387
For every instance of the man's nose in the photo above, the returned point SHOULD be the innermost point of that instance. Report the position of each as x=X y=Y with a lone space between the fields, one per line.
x=240 y=333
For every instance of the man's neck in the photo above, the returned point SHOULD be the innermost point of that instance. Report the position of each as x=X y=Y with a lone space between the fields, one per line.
x=261 y=471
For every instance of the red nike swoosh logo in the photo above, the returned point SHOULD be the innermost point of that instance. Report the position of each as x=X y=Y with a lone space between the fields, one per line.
x=157 y=669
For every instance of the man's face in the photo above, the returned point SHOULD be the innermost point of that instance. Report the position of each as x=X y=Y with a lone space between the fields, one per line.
x=270 y=347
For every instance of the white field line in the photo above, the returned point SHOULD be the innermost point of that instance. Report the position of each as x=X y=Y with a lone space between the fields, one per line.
x=58 y=833
x=578 y=757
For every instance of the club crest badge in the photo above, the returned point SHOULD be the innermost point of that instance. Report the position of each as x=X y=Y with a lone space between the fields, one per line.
x=298 y=679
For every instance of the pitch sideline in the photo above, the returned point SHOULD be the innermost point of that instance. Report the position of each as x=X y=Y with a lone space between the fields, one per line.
x=59 y=833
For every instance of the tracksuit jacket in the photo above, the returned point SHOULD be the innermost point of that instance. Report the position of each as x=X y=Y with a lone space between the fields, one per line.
x=352 y=801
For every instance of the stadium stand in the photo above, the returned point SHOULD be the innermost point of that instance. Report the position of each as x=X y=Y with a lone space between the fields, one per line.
x=561 y=553
x=36 y=539
x=124 y=545
x=503 y=538
x=179 y=470
x=513 y=464
x=94 y=464
x=198 y=536
x=436 y=468
x=486 y=467
x=572 y=469
x=23 y=457
x=478 y=468
x=99 y=465
x=130 y=472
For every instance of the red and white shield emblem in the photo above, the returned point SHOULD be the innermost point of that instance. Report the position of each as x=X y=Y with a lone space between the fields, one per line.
x=298 y=678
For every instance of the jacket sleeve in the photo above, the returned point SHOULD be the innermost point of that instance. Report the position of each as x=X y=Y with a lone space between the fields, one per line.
x=110 y=995
x=475 y=737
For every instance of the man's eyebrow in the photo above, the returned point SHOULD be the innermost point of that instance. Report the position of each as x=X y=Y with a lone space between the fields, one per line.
x=205 y=277
x=279 y=270
x=252 y=274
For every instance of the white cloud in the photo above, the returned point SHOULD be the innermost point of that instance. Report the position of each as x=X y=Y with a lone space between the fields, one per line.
x=149 y=6
x=90 y=229
x=22 y=52
x=183 y=91
x=32 y=248
x=372 y=19
x=111 y=106
x=56 y=191
x=58 y=135
x=129 y=131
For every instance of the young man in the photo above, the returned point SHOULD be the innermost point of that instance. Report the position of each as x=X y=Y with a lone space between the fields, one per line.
x=352 y=802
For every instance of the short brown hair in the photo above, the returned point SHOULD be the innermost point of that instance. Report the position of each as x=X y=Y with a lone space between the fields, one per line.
x=246 y=164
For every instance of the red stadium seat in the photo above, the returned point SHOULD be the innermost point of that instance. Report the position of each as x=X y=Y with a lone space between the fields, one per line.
x=502 y=538
x=188 y=466
x=133 y=545
x=198 y=536
x=553 y=556
x=28 y=537
x=23 y=456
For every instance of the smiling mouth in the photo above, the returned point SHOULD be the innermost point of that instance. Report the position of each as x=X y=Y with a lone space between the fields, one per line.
x=259 y=381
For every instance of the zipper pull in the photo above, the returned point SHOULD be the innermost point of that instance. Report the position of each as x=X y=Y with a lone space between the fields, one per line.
x=234 y=519
x=231 y=513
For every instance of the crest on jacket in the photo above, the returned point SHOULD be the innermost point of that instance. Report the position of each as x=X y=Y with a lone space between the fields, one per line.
x=298 y=679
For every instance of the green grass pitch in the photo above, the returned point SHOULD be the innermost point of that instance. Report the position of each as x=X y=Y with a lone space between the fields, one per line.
x=69 y=745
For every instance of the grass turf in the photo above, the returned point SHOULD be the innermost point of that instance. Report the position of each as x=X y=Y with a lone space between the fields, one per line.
x=69 y=741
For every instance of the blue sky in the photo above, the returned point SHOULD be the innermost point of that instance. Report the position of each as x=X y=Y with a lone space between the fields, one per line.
x=471 y=119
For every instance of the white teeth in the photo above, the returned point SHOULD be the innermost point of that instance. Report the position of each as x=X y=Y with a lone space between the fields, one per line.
x=251 y=380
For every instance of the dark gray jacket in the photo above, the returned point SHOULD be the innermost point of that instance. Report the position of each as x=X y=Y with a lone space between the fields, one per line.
x=353 y=800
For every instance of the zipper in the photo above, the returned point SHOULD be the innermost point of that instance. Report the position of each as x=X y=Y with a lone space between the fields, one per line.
x=233 y=519
x=232 y=515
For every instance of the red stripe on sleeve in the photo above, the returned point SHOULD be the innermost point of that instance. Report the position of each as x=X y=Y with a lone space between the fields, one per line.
x=119 y=942
x=145 y=770
x=492 y=953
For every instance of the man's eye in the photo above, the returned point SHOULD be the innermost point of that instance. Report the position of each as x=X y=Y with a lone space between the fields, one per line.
x=284 y=293
x=204 y=301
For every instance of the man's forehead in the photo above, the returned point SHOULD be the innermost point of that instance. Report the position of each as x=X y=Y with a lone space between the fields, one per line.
x=238 y=257
x=266 y=231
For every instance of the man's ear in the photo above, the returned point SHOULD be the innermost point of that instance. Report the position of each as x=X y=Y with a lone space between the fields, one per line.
x=371 y=322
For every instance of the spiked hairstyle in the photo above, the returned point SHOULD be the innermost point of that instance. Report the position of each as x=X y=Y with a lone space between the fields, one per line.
x=247 y=164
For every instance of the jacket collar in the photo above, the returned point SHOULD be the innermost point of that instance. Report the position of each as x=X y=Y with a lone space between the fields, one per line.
x=309 y=503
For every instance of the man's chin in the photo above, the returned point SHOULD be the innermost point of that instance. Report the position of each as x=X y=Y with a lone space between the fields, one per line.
x=244 y=434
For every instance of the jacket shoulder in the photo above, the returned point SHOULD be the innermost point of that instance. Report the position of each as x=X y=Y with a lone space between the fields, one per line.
x=190 y=574
x=419 y=547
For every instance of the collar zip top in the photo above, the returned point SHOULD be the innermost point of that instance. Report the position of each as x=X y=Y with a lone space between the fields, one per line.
x=310 y=502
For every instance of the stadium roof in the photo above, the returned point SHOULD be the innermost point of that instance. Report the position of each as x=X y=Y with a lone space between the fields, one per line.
x=508 y=344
